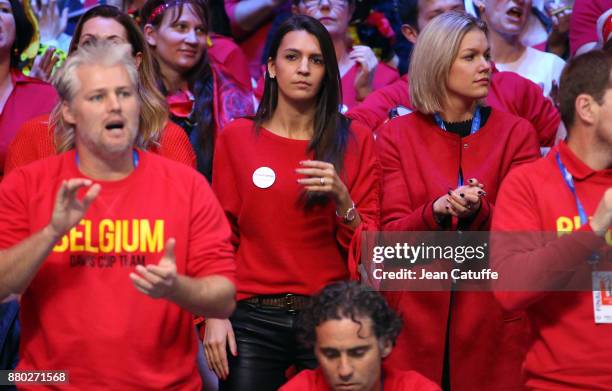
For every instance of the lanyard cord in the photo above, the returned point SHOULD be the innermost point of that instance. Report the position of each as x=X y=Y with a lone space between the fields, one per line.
x=569 y=181
x=476 y=119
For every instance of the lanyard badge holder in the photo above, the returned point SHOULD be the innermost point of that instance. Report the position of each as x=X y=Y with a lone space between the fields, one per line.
x=601 y=280
x=476 y=119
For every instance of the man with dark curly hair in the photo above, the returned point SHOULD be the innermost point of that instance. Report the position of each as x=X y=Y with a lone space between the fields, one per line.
x=352 y=329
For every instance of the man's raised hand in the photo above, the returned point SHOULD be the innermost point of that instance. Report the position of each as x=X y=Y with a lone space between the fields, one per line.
x=69 y=209
x=158 y=281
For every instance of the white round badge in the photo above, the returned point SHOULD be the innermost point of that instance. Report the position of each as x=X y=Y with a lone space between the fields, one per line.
x=264 y=177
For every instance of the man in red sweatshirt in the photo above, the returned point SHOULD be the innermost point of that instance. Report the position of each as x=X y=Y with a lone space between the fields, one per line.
x=568 y=193
x=352 y=329
x=508 y=92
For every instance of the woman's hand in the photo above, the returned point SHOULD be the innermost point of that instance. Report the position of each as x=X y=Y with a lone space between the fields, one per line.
x=43 y=65
x=51 y=22
x=219 y=334
x=365 y=57
x=322 y=177
x=462 y=202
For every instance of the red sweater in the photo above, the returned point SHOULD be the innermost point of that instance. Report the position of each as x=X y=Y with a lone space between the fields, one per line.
x=420 y=162
x=509 y=92
x=314 y=380
x=34 y=141
x=276 y=240
x=570 y=351
x=81 y=312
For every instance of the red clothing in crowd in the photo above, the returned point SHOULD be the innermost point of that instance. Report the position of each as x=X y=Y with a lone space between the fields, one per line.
x=34 y=141
x=225 y=51
x=384 y=76
x=253 y=42
x=420 y=163
x=509 y=92
x=276 y=240
x=569 y=351
x=583 y=22
x=394 y=380
x=81 y=311
x=29 y=98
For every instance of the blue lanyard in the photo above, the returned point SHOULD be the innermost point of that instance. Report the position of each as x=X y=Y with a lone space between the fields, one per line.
x=475 y=128
x=475 y=121
x=569 y=181
x=135 y=158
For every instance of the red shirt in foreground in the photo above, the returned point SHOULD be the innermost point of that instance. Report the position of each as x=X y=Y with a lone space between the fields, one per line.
x=81 y=312
x=29 y=98
x=508 y=92
x=569 y=351
x=34 y=141
x=394 y=380
x=420 y=163
x=280 y=247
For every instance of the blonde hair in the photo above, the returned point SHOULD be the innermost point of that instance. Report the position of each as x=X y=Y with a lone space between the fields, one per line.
x=433 y=55
x=153 y=107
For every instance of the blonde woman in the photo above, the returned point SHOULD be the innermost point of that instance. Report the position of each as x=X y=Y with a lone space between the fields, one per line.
x=442 y=166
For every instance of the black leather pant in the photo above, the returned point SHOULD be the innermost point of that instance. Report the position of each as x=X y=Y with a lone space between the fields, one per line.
x=267 y=346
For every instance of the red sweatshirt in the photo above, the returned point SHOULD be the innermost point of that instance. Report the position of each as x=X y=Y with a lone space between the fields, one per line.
x=420 y=163
x=81 y=312
x=394 y=380
x=509 y=92
x=569 y=351
x=276 y=240
x=34 y=141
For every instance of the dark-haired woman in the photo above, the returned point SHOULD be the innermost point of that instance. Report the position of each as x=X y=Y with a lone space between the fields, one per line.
x=17 y=92
x=205 y=96
x=46 y=135
x=298 y=184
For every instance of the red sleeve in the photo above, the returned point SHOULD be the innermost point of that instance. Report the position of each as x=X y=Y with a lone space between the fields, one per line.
x=14 y=200
x=374 y=110
x=364 y=188
x=540 y=111
x=543 y=264
x=210 y=251
x=33 y=141
x=397 y=211
x=224 y=186
x=174 y=144
x=584 y=20
x=517 y=95
x=230 y=6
